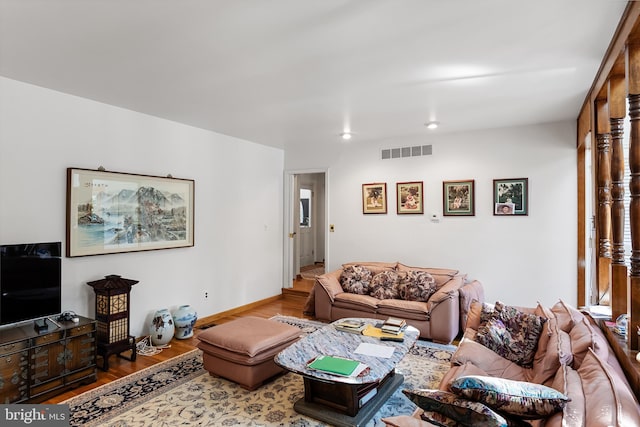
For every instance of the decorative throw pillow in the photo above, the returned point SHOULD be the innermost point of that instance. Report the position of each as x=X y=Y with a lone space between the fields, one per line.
x=438 y=419
x=417 y=286
x=515 y=337
x=523 y=399
x=356 y=279
x=384 y=285
x=463 y=411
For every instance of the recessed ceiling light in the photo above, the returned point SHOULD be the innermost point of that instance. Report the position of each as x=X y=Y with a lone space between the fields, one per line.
x=432 y=125
x=346 y=135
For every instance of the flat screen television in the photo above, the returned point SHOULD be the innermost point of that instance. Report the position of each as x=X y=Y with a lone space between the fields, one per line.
x=30 y=281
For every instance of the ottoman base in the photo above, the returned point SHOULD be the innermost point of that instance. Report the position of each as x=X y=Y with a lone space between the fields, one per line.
x=243 y=350
x=248 y=377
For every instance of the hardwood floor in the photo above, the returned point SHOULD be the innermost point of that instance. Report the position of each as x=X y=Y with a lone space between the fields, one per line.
x=290 y=303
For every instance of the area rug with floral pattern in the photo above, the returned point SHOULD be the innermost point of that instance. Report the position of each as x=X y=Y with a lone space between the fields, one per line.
x=179 y=392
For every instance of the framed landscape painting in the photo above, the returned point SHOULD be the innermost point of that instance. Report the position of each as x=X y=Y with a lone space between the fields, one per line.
x=458 y=198
x=113 y=212
x=374 y=198
x=409 y=197
x=513 y=192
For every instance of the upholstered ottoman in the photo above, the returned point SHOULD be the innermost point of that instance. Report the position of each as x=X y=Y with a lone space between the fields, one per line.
x=243 y=350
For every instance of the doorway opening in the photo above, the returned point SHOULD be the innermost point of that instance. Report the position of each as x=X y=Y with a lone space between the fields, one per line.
x=306 y=210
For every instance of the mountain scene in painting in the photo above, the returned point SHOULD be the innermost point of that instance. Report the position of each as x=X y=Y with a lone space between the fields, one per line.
x=132 y=217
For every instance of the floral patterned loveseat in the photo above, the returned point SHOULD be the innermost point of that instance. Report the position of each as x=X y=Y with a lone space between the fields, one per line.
x=433 y=300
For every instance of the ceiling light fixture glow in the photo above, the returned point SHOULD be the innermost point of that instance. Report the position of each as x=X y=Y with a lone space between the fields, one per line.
x=432 y=125
x=346 y=135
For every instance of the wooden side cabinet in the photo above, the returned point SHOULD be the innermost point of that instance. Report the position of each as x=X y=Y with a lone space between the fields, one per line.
x=35 y=366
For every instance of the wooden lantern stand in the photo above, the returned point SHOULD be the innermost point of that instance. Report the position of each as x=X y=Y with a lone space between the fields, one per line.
x=112 y=317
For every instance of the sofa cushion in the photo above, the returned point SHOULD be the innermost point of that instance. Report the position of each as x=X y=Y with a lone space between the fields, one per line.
x=403 y=421
x=355 y=301
x=608 y=402
x=556 y=354
x=457 y=371
x=356 y=279
x=566 y=314
x=489 y=361
x=416 y=286
x=583 y=337
x=384 y=285
x=400 y=308
x=523 y=399
x=461 y=410
x=568 y=382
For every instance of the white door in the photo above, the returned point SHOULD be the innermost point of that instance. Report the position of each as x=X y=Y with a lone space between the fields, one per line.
x=307 y=224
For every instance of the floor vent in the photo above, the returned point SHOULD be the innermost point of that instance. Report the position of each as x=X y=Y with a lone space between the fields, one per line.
x=399 y=153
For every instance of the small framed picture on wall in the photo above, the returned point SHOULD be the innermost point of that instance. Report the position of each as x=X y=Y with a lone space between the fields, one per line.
x=409 y=197
x=511 y=196
x=374 y=198
x=458 y=198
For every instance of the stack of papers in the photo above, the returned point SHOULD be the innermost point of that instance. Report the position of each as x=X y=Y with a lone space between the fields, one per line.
x=337 y=366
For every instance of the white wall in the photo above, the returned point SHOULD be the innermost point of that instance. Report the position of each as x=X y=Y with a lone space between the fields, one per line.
x=520 y=260
x=237 y=255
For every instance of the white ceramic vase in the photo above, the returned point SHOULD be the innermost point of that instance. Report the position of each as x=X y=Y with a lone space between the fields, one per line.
x=161 y=328
x=184 y=318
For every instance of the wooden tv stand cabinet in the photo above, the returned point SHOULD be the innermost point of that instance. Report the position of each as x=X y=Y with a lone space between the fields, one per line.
x=36 y=366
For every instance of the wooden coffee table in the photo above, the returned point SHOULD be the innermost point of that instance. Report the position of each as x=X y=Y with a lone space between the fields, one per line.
x=345 y=401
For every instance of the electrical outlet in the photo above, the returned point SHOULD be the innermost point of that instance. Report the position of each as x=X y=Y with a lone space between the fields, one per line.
x=206 y=294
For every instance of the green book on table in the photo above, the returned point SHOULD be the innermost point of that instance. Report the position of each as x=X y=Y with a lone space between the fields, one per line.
x=334 y=365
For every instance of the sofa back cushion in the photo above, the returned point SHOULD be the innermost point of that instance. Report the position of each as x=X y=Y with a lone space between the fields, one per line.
x=584 y=337
x=568 y=382
x=608 y=401
x=440 y=275
x=566 y=314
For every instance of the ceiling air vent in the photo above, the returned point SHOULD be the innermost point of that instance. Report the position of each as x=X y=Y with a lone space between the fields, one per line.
x=402 y=152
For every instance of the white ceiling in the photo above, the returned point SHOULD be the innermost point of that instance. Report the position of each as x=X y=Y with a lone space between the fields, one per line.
x=286 y=72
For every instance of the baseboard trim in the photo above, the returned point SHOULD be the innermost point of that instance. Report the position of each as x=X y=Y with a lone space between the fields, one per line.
x=214 y=317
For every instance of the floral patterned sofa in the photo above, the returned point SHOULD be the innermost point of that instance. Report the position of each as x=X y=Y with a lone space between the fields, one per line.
x=433 y=300
x=520 y=366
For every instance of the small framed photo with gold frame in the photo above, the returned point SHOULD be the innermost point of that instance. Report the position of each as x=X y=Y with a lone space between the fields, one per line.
x=409 y=197
x=374 y=198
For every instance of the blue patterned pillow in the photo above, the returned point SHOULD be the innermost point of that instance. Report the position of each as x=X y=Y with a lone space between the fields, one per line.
x=461 y=410
x=525 y=400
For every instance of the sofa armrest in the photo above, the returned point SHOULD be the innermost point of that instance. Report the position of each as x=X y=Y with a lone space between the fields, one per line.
x=444 y=318
x=468 y=293
x=325 y=289
x=330 y=283
x=447 y=291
